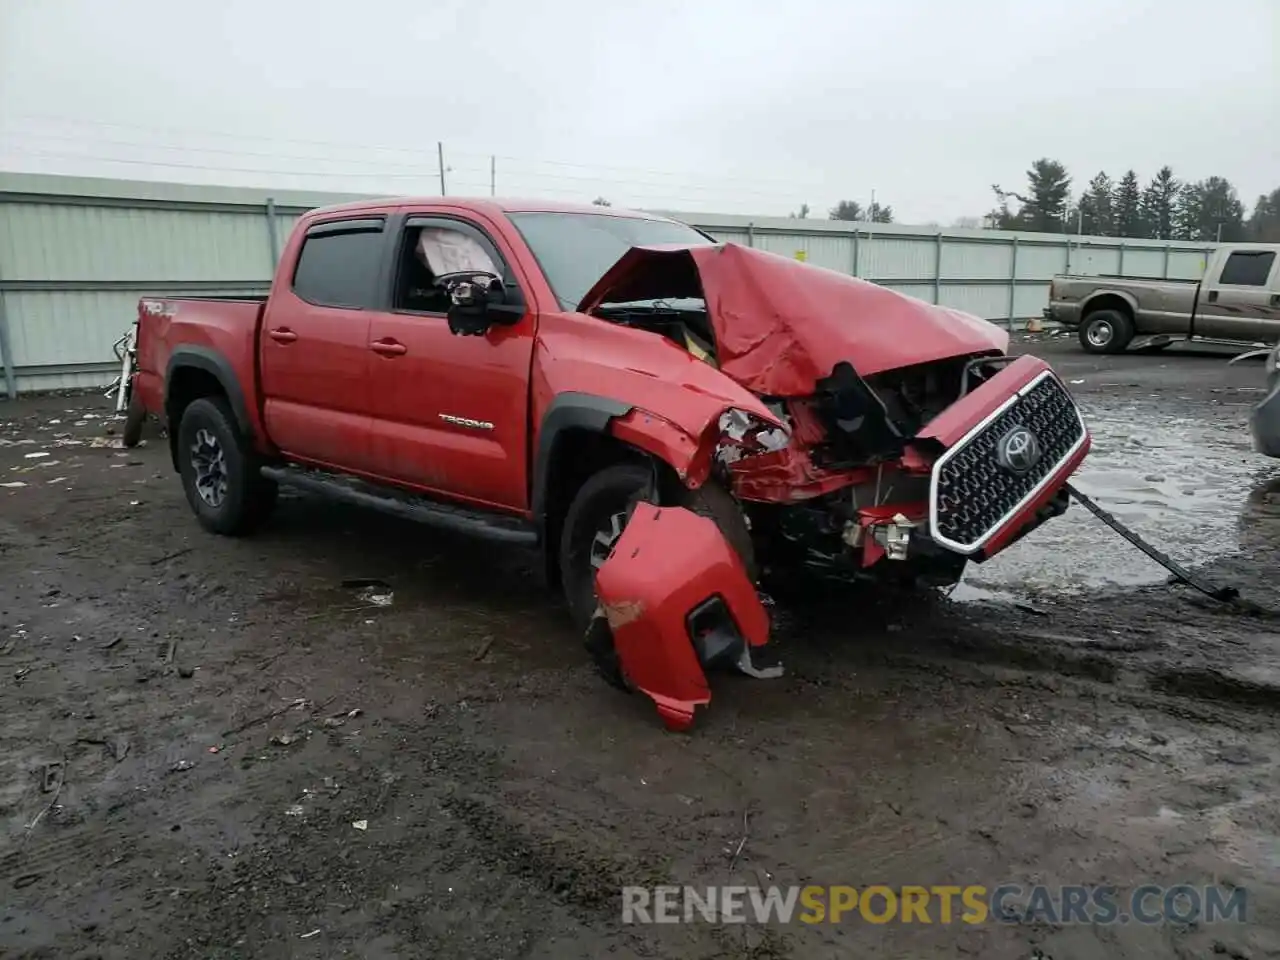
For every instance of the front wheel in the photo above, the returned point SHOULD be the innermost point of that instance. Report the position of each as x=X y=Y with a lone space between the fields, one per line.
x=219 y=471
x=595 y=521
x=1106 y=331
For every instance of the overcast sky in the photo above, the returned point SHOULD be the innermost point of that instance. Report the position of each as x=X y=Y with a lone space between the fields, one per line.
x=740 y=106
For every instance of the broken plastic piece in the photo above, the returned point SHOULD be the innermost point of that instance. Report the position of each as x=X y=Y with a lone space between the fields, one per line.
x=667 y=570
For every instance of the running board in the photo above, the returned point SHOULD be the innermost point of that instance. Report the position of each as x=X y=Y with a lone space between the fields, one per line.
x=479 y=523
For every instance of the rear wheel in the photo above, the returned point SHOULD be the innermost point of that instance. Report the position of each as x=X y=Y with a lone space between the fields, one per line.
x=219 y=470
x=135 y=418
x=1106 y=331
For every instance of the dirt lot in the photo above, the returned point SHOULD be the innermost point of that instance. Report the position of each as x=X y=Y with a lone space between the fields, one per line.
x=192 y=725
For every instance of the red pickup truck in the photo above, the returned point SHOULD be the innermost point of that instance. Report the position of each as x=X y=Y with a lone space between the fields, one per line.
x=671 y=420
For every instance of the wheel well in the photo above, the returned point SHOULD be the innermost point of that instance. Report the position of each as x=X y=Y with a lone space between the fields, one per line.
x=187 y=384
x=1109 y=301
x=578 y=455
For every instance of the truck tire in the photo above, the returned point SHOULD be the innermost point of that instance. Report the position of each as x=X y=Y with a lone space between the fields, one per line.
x=220 y=471
x=135 y=418
x=1106 y=331
x=595 y=520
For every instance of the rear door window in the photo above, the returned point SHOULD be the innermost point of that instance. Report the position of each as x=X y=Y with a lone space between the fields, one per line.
x=340 y=264
x=1248 y=268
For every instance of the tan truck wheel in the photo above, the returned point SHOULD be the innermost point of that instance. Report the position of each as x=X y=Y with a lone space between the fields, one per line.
x=1106 y=331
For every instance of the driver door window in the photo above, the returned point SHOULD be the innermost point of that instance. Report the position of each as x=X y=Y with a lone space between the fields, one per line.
x=430 y=252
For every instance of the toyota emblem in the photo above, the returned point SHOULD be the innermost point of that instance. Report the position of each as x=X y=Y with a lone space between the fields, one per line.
x=1018 y=450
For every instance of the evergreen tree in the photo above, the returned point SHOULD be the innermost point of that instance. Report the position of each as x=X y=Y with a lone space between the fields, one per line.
x=1044 y=206
x=1210 y=210
x=1126 y=209
x=1159 y=202
x=1097 y=218
x=1264 y=224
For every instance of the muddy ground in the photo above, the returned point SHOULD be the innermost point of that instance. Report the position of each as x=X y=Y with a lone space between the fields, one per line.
x=190 y=726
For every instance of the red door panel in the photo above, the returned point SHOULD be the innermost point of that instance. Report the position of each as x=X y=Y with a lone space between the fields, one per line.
x=314 y=345
x=315 y=383
x=450 y=413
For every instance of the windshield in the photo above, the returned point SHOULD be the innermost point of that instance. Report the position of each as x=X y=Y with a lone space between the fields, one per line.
x=575 y=249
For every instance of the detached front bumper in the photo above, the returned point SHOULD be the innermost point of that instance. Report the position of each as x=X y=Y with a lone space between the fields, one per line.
x=675 y=599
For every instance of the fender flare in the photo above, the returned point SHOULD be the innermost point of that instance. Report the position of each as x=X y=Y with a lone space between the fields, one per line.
x=568 y=411
x=1086 y=305
x=212 y=362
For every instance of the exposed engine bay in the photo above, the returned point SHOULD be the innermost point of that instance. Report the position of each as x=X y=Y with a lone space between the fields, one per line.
x=902 y=442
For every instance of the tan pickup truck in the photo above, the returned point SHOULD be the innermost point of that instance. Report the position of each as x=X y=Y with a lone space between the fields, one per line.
x=1237 y=300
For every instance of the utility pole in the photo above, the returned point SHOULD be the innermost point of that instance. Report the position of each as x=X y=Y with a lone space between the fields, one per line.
x=1219 y=231
x=440 y=159
x=493 y=175
x=871 y=210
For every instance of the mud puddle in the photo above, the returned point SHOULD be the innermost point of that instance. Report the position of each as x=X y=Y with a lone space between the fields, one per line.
x=1190 y=484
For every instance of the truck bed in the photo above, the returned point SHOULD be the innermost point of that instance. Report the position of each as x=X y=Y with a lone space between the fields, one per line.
x=1123 y=276
x=225 y=327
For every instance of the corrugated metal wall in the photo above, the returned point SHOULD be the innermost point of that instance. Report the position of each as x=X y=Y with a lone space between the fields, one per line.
x=76 y=253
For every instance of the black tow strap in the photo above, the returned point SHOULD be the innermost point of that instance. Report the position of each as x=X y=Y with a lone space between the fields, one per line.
x=1223 y=594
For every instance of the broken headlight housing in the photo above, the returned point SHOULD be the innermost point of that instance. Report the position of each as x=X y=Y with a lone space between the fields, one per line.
x=743 y=434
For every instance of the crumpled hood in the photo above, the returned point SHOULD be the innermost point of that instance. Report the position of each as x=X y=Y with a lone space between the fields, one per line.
x=781 y=325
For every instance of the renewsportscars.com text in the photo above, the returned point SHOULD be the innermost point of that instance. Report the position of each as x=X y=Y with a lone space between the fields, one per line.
x=943 y=904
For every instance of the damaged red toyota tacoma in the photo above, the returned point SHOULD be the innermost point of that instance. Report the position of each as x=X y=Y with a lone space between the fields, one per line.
x=675 y=423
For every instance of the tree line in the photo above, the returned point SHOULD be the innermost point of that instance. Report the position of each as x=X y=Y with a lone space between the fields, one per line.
x=1165 y=208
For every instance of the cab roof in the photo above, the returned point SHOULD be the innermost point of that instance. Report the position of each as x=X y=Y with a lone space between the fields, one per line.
x=485 y=205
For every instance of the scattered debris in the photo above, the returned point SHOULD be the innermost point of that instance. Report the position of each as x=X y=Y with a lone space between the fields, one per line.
x=181 y=766
x=308 y=936
x=51 y=778
x=120 y=749
x=741 y=843
x=361 y=824
x=13 y=484
x=285 y=739
x=170 y=556
x=1221 y=594
x=214 y=749
x=377 y=593
x=292 y=705
x=111 y=643
x=36 y=456
x=60 y=765
x=481 y=653
x=294 y=811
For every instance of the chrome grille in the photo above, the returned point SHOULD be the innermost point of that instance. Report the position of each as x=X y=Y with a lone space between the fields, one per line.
x=973 y=493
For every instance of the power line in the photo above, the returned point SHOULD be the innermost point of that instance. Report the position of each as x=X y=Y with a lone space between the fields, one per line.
x=219 y=150
x=791 y=186
x=612 y=183
x=424 y=175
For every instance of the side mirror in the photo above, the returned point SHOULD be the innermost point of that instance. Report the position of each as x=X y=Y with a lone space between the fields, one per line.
x=477 y=300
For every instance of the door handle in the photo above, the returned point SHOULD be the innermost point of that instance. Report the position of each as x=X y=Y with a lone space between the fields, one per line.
x=1213 y=296
x=1275 y=299
x=282 y=335
x=389 y=348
